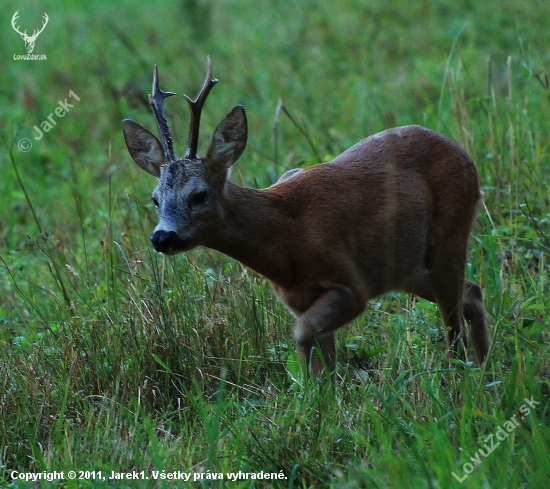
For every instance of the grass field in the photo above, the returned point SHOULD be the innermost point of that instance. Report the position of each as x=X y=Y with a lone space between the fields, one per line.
x=117 y=359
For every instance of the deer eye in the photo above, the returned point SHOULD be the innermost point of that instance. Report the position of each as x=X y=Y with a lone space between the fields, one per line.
x=199 y=198
x=155 y=201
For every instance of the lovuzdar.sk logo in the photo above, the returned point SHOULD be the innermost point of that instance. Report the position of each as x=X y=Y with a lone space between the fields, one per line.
x=29 y=39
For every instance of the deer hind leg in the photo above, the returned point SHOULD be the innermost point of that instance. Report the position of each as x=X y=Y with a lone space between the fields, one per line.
x=447 y=288
x=474 y=313
x=314 y=330
x=448 y=299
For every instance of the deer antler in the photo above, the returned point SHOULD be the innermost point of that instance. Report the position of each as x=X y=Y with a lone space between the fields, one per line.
x=196 y=109
x=156 y=100
x=37 y=32
x=13 y=20
x=24 y=35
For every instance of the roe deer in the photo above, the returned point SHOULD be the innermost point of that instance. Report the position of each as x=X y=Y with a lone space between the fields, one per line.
x=393 y=212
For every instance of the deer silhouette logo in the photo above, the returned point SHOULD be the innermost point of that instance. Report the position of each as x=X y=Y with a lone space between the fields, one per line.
x=29 y=40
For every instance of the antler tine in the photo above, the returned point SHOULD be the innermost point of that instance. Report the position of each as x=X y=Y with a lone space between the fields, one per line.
x=13 y=24
x=196 y=109
x=44 y=23
x=37 y=32
x=156 y=100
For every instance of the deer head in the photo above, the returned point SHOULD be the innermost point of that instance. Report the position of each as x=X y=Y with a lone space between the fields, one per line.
x=190 y=188
x=29 y=40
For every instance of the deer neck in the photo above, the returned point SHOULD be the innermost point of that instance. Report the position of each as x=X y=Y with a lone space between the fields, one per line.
x=254 y=231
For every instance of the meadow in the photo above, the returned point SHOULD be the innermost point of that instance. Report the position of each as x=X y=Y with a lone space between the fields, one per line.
x=115 y=359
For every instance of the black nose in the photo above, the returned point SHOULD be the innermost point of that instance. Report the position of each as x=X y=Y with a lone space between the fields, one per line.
x=164 y=241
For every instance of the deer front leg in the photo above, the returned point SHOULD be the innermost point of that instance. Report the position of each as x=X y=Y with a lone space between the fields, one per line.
x=315 y=327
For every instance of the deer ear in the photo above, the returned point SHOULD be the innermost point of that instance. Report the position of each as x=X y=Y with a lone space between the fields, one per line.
x=229 y=140
x=144 y=147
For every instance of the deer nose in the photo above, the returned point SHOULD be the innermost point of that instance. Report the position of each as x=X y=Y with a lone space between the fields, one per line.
x=164 y=241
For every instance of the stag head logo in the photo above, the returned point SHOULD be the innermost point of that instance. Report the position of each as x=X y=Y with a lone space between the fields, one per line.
x=29 y=40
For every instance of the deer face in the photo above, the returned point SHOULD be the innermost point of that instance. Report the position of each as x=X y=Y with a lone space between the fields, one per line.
x=189 y=193
x=187 y=206
x=29 y=45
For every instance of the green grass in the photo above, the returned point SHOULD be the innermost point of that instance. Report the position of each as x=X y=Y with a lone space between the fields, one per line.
x=113 y=358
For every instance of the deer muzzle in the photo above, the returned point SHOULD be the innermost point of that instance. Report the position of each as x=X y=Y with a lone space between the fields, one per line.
x=167 y=242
